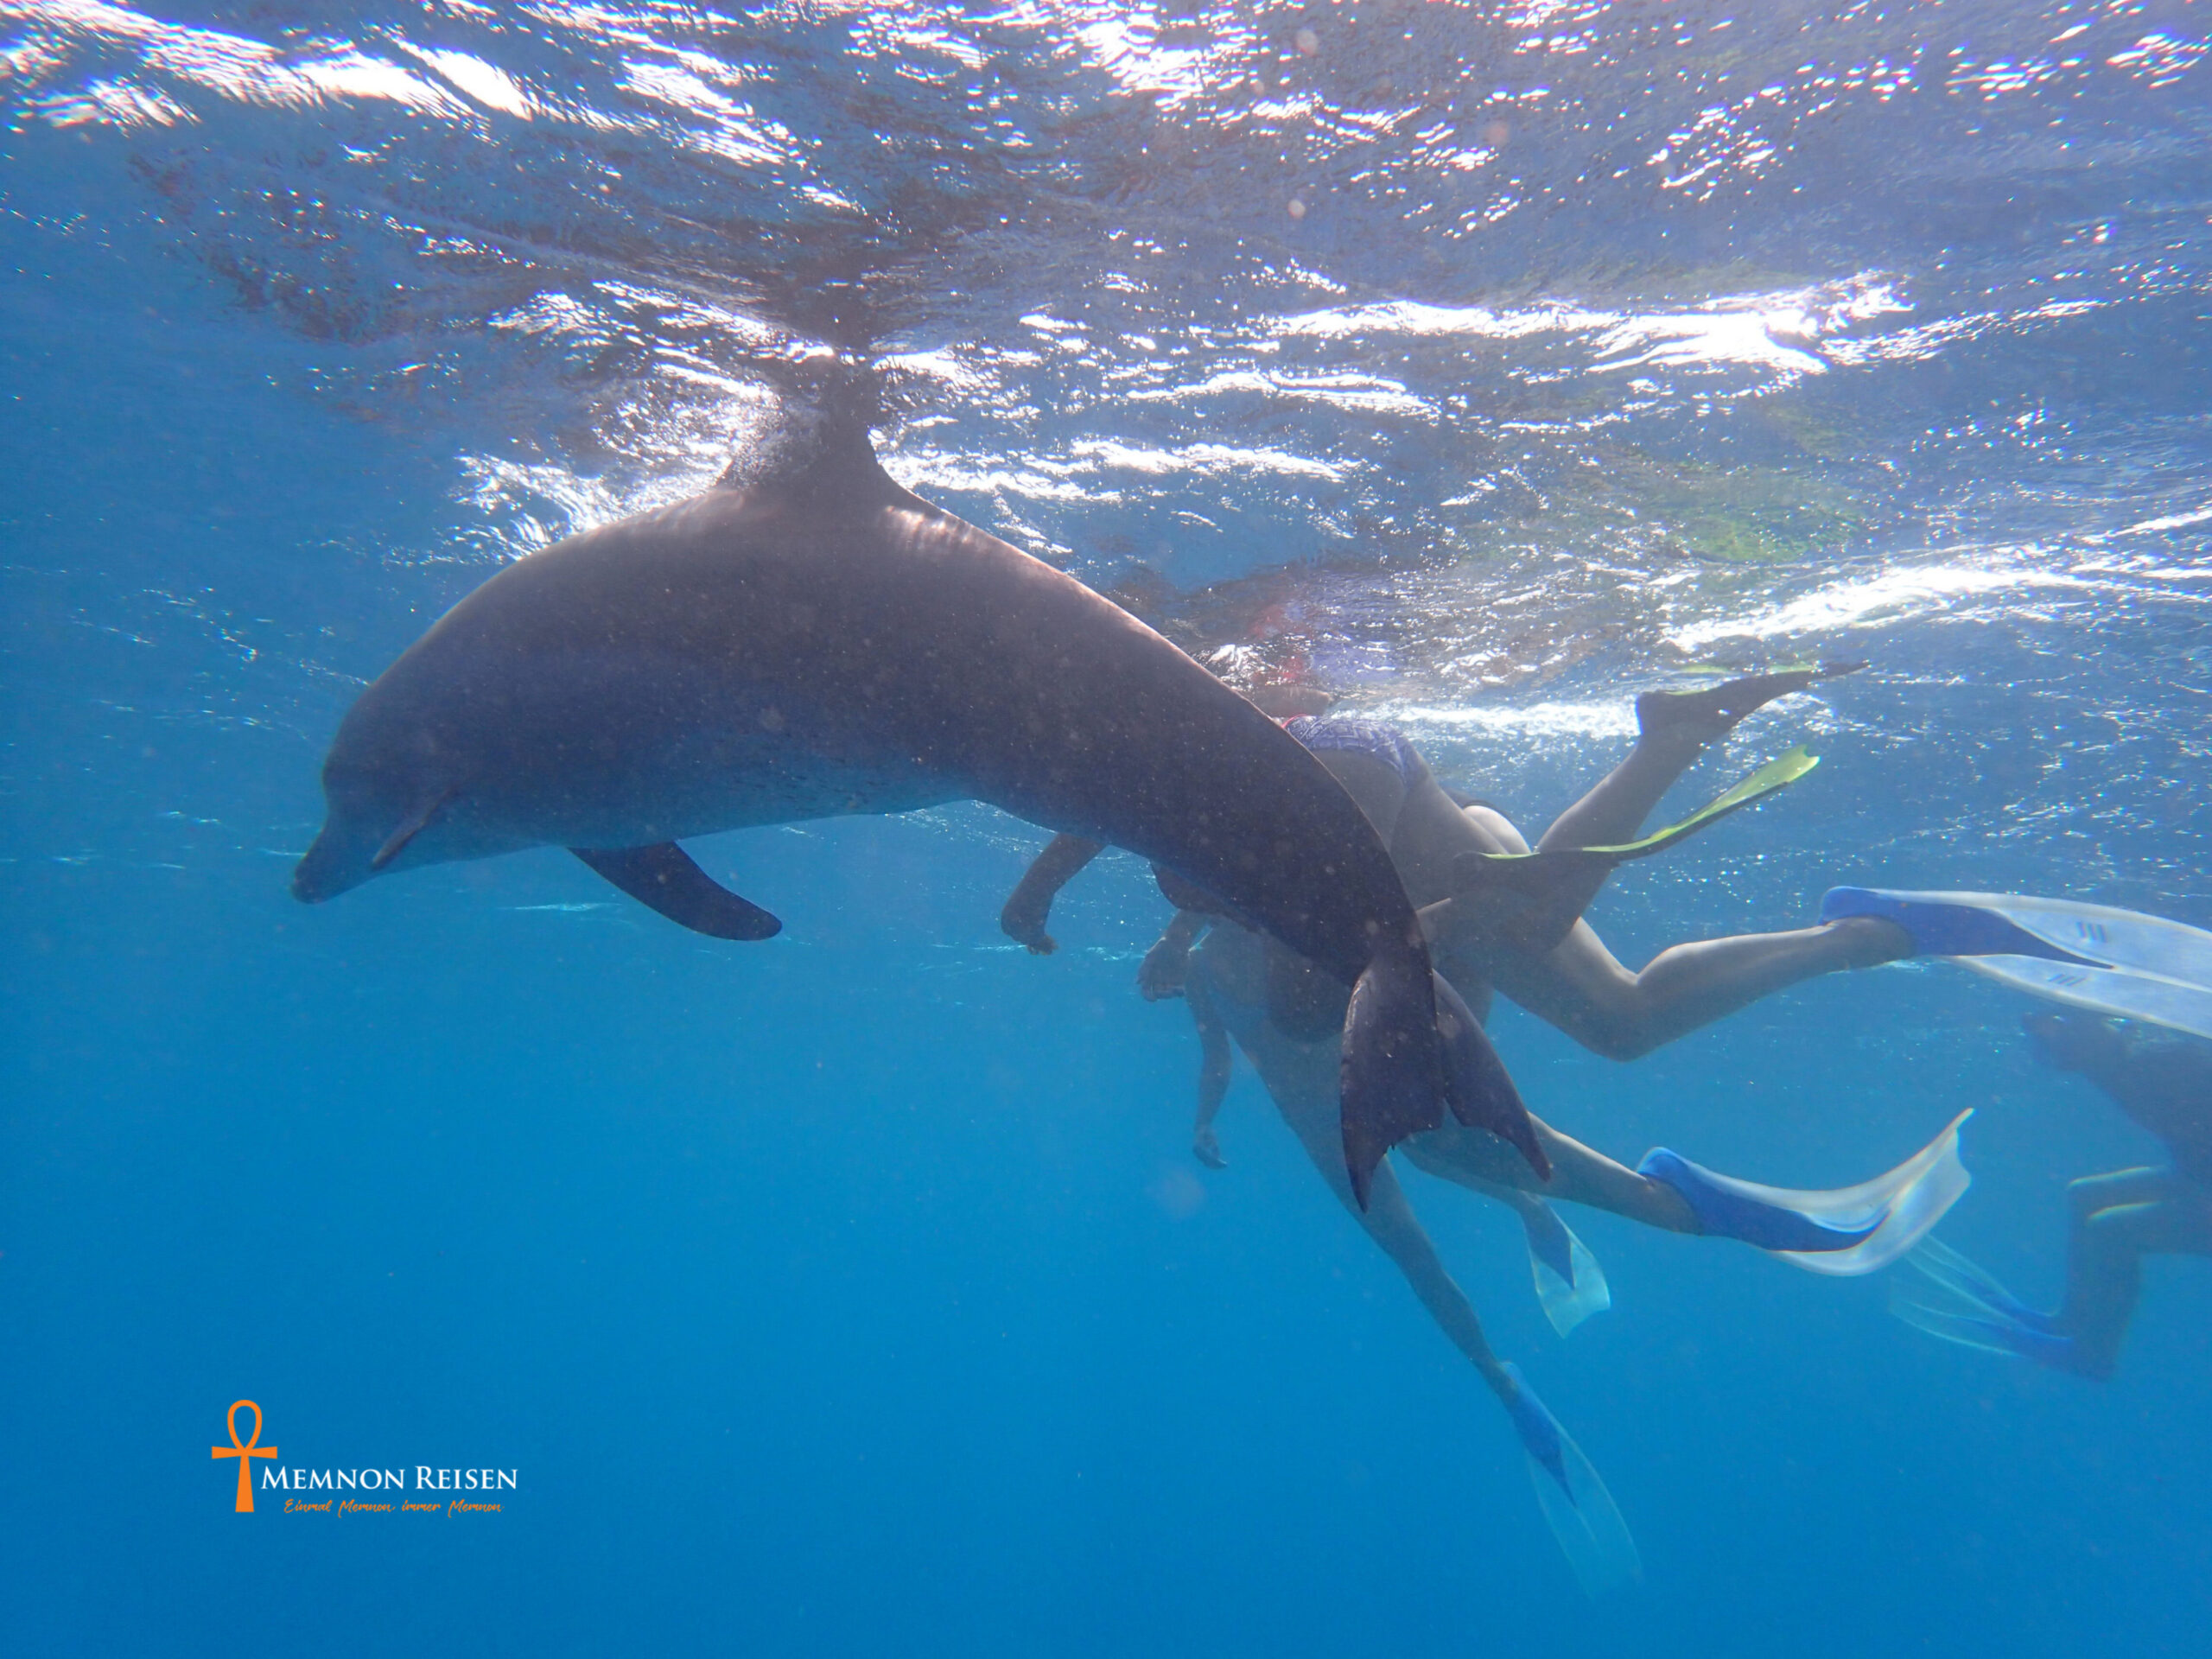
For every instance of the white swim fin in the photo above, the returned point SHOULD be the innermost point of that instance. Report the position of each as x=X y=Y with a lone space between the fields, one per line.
x=1570 y=1285
x=2093 y=956
x=1577 y=1507
x=1963 y=1303
x=1843 y=1232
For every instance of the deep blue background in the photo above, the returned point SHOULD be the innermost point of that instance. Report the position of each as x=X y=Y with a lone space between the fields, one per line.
x=855 y=1292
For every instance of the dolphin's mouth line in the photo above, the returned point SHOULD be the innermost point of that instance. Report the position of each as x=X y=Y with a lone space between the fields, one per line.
x=319 y=875
x=305 y=889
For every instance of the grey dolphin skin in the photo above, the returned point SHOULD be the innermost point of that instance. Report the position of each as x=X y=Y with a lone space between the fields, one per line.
x=816 y=640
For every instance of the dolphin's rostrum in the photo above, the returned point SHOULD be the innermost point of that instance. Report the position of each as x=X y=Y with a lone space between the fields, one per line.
x=817 y=640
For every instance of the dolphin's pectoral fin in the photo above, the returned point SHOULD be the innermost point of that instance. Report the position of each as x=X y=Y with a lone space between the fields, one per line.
x=663 y=878
x=411 y=826
x=1477 y=1085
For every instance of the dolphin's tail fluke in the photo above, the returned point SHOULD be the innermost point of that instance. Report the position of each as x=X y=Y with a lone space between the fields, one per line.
x=1411 y=1045
x=1392 y=1073
x=1477 y=1085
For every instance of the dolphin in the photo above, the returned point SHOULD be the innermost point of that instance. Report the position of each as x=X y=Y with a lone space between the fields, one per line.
x=811 y=639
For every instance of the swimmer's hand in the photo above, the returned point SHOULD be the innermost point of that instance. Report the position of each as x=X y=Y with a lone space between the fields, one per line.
x=1025 y=925
x=1206 y=1149
x=1160 y=975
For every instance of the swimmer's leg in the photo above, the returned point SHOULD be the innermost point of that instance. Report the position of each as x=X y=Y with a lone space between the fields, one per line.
x=1576 y=1505
x=1023 y=917
x=1582 y=989
x=1672 y=729
x=1529 y=905
x=1691 y=985
x=2118 y=1220
x=1390 y=1220
x=1840 y=1231
x=1482 y=1163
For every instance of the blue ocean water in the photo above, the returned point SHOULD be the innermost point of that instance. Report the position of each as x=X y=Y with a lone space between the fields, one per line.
x=857 y=1292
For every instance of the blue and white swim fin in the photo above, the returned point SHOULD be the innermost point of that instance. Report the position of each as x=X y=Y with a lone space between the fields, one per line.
x=2093 y=956
x=1570 y=1285
x=1576 y=1505
x=1961 y=1303
x=1843 y=1232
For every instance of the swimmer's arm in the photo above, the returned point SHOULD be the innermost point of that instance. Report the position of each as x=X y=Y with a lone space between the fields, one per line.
x=1031 y=902
x=1167 y=965
x=1216 y=1063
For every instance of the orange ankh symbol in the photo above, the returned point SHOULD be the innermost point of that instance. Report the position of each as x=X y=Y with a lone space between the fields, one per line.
x=244 y=1451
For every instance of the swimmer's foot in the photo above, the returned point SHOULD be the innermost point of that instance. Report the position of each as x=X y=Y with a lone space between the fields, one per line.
x=1961 y=1303
x=1715 y=711
x=1870 y=941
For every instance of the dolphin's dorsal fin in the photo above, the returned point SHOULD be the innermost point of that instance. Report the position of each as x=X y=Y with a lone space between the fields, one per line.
x=818 y=448
x=663 y=878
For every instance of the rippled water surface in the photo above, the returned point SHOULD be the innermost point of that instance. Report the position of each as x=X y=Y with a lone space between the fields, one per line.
x=1486 y=363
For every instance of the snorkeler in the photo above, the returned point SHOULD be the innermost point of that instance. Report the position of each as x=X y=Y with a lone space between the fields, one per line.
x=1500 y=922
x=2165 y=1085
x=1519 y=927
x=1239 y=988
x=1855 y=1230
